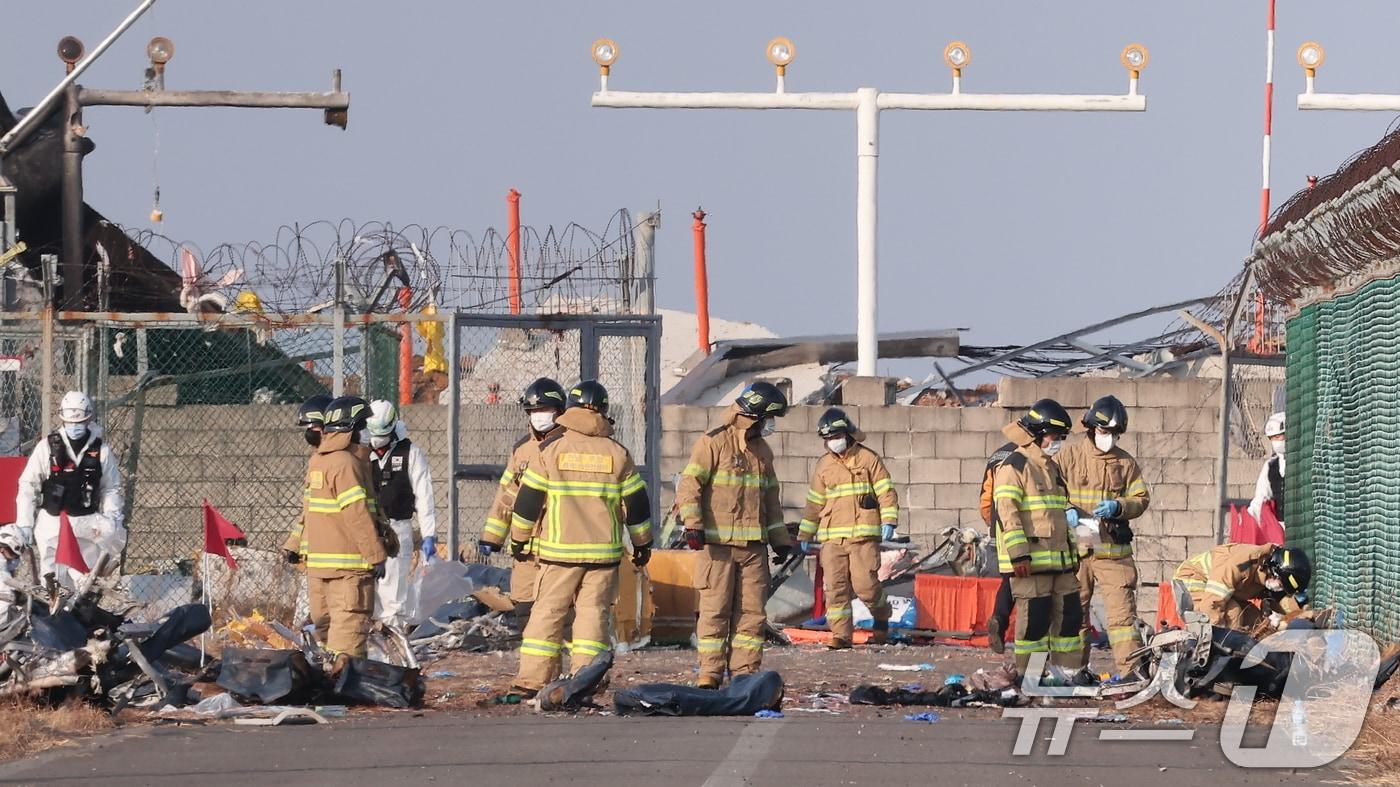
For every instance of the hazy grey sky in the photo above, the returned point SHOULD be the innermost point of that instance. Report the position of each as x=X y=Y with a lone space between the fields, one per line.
x=1014 y=225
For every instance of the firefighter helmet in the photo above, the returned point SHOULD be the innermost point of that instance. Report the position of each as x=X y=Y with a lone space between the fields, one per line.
x=313 y=411
x=544 y=394
x=590 y=394
x=833 y=422
x=1292 y=566
x=346 y=414
x=1106 y=413
x=1046 y=416
x=762 y=400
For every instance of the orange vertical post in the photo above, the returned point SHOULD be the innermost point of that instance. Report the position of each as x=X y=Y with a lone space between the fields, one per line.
x=405 y=349
x=702 y=283
x=513 y=248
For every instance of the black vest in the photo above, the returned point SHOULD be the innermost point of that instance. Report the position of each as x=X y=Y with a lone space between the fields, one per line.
x=72 y=488
x=392 y=484
x=1276 y=487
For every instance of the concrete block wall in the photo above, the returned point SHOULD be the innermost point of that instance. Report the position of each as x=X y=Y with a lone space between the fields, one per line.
x=937 y=457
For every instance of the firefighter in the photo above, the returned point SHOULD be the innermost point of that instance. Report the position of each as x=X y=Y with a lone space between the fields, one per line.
x=1269 y=487
x=1105 y=480
x=543 y=402
x=403 y=487
x=730 y=504
x=310 y=417
x=1224 y=582
x=1031 y=501
x=340 y=543
x=851 y=508
x=1001 y=609
x=71 y=474
x=587 y=488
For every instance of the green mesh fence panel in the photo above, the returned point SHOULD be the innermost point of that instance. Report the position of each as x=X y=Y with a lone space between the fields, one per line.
x=1344 y=471
x=382 y=367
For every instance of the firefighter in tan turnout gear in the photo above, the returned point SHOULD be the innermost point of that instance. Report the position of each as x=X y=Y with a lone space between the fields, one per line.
x=851 y=508
x=543 y=402
x=1104 y=480
x=1036 y=544
x=339 y=541
x=729 y=501
x=587 y=489
x=1225 y=582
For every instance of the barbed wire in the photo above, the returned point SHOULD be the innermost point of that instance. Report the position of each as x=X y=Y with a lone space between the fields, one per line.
x=568 y=269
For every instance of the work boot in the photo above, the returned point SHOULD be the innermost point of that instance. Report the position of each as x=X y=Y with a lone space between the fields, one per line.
x=1084 y=678
x=838 y=644
x=880 y=633
x=708 y=682
x=995 y=627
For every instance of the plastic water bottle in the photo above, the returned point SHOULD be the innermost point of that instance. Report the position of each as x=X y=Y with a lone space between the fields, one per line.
x=1300 y=725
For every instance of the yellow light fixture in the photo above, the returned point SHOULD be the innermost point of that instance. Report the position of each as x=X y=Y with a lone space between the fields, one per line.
x=1135 y=58
x=160 y=50
x=780 y=52
x=958 y=56
x=605 y=51
x=1311 y=56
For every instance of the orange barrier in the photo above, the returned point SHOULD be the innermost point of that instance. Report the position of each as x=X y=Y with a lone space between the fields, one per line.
x=673 y=594
x=1166 y=608
x=10 y=469
x=812 y=637
x=945 y=603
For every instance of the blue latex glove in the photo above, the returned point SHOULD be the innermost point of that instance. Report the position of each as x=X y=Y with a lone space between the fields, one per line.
x=1072 y=515
x=886 y=532
x=429 y=548
x=1108 y=509
x=807 y=547
x=485 y=550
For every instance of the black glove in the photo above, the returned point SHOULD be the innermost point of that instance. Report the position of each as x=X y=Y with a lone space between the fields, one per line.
x=640 y=556
x=695 y=539
x=291 y=556
x=517 y=549
x=378 y=570
x=780 y=554
x=1120 y=531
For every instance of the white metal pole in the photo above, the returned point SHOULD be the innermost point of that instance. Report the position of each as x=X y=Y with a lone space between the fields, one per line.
x=867 y=194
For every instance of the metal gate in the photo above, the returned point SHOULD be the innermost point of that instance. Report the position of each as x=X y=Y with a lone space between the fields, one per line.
x=491 y=358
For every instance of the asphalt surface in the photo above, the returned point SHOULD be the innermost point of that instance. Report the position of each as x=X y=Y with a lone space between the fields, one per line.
x=447 y=748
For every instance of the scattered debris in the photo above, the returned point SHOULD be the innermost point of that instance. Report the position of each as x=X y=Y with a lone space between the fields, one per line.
x=577 y=691
x=256 y=631
x=927 y=716
x=768 y=714
x=744 y=696
x=908 y=667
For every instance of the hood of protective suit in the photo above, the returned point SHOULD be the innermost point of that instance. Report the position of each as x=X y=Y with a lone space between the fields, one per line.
x=334 y=441
x=585 y=421
x=1017 y=434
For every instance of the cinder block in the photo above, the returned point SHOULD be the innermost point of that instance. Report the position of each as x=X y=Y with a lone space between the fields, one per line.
x=891 y=418
x=1196 y=472
x=1169 y=497
x=793 y=469
x=875 y=441
x=972 y=471
x=927 y=522
x=794 y=496
x=1202 y=497
x=934 y=419
x=898 y=470
x=868 y=390
x=1071 y=392
x=961 y=445
x=982 y=419
x=897 y=445
x=1198 y=419
x=1163 y=548
x=1144 y=420
x=1198 y=544
x=1125 y=389
x=922 y=496
x=1193 y=393
x=1163 y=445
x=1149 y=525
x=1188 y=523
x=672 y=444
x=923 y=445
x=935 y=471
x=957 y=496
x=808 y=445
x=692 y=418
x=1204 y=446
x=1017 y=392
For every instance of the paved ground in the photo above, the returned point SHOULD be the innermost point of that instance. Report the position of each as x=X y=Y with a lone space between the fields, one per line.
x=455 y=748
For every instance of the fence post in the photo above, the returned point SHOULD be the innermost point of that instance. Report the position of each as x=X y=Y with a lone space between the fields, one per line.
x=46 y=371
x=454 y=401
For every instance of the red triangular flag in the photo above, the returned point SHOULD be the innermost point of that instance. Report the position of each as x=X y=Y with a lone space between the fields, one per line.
x=69 y=554
x=217 y=530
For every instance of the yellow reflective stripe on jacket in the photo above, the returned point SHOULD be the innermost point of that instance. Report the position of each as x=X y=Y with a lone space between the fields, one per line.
x=540 y=647
x=641 y=532
x=588 y=647
x=508 y=478
x=349 y=561
x=633 y=484
x=779 y=525
x=747 y=480
x=735 y=532
x=535 y=481
x=322 y=505
x=850 y=490
x=1218 y=589
x=807 y=527
x=1114 y=551
x=566 y=553
x=883 y=485
x=687 y=510
x=1008 y=493
x=815 y=497
x=890 y=515
x=351 y=496
x=1138 y=487
x=851 y=531
x=495 y=527
x=696 y=471
x=1042 y=503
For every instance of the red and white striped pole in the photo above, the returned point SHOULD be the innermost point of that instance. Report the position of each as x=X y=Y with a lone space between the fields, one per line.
x=1257 y=345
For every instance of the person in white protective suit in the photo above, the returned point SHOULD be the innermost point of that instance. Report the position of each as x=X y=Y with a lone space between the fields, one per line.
x=1270 y=483
x=72 y=472
x=404 y=487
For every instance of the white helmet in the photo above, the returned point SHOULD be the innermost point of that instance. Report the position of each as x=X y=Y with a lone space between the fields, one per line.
x=1274 y=426
x=382 y=417
x=75 y=408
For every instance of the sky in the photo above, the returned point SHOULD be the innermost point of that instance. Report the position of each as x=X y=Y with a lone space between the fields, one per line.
x=1014 y=225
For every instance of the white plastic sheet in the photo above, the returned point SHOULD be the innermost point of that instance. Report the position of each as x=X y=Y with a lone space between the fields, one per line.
x=433 y=585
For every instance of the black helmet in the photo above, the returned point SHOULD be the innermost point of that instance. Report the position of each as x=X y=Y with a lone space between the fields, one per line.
x=833 y=422
x=1045 y=417
x=1291 y=565
x=313 y=411
x=346 y=414
x=1106 y=413
x=543 y=394
x=762 y=400
x=590 y=394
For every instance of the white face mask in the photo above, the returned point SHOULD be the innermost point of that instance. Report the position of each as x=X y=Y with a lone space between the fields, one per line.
x=1275 y=585
x=379 y=440
x=75 y=431
x=542 y=420
x=767 y=427
x=1053 y=447
x=1105 y=442
x=1278 y=446
x=837 y=445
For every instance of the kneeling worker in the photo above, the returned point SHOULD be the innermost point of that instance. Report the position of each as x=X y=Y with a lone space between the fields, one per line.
x=1224 y=582
x=851 y=508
